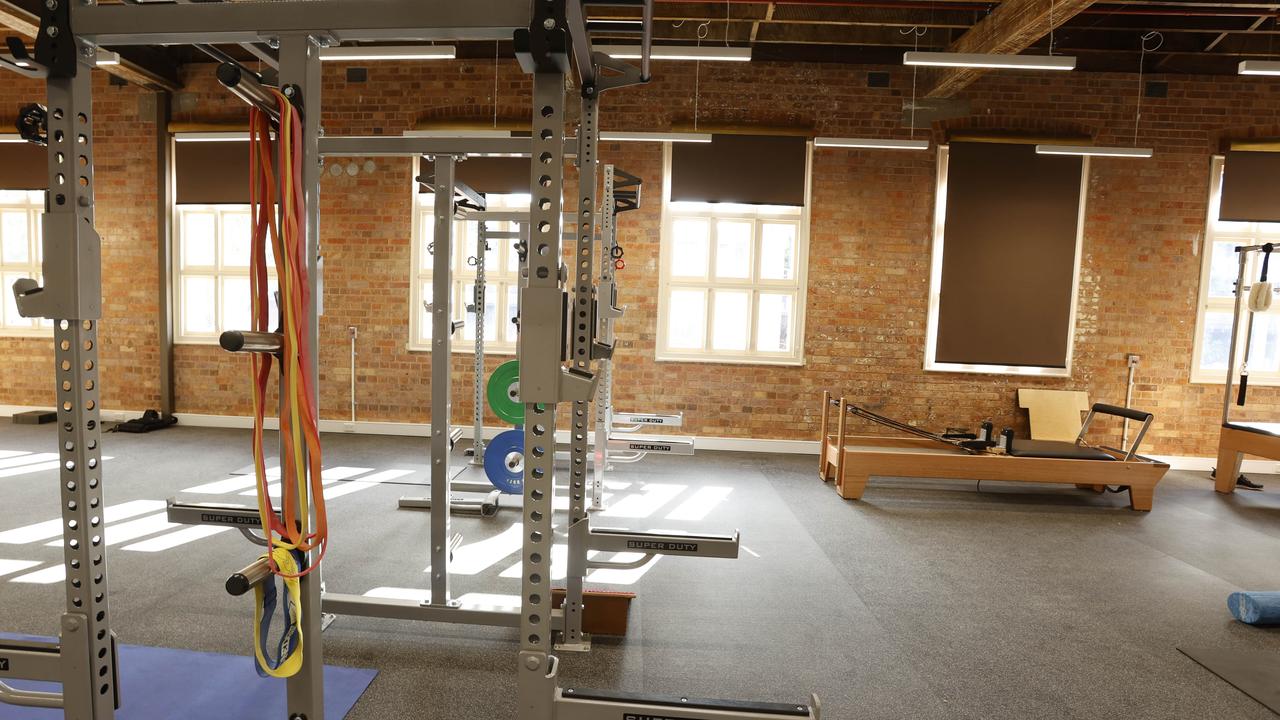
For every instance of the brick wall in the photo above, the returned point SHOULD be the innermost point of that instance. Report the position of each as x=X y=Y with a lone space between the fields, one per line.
x=869 y=247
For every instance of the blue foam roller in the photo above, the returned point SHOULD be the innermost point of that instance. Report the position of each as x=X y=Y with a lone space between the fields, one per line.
x=1255 y=608
x=501 y=473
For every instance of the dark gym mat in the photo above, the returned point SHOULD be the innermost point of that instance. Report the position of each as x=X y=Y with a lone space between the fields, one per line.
x=158 y=683
x=1253 y=672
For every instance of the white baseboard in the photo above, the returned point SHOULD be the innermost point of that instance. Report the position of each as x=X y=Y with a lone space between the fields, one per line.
x=790 y=447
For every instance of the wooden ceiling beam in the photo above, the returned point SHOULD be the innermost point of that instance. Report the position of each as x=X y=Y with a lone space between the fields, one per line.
x=1013 y=26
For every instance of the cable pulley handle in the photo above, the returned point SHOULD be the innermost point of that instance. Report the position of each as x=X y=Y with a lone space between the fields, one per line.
x=1266 y=260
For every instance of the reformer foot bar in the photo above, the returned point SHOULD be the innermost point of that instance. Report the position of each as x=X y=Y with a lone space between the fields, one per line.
x=852 y=460
x=1239 y=438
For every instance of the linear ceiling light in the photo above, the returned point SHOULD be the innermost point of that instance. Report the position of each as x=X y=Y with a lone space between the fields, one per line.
x=1092 y=151
x=988 y=60
x=871 y=143
x=103 y=57
x=214 y=136
x=389 y=52
x=680 y=137
x=10 y=138
x=463 y=134
x=705 y=53
x=1259 y=67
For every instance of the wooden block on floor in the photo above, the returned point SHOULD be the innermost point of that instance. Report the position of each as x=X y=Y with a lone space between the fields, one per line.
x=604 y=612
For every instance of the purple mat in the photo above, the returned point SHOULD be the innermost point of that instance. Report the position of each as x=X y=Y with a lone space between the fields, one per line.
x=162 y=683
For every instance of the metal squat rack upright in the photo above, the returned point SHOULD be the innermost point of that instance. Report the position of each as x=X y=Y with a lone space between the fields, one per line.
x=548 y=44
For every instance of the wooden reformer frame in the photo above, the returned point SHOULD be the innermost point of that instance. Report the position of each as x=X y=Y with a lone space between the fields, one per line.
x=852 y=460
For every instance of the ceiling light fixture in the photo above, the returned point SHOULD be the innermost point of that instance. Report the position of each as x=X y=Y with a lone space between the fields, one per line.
x=1094 y=151
x=989 y=60
x=1259 y=67
x=675 y=52
x=215 y=136
x=389 y=52
x=463 y=134
x=871 y=143
x=678 y=137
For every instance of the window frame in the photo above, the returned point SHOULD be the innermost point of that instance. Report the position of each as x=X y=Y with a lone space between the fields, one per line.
x=798 y=287
x=499 y=281
x=33 y=268
x=1205 y=304
x=218 y=271
x=937 y=252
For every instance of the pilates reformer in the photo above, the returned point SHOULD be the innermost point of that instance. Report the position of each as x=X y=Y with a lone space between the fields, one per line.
x=1237 y=438
x=852 y=460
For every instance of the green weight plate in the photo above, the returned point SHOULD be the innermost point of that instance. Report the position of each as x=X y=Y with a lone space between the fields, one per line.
x=504 y=392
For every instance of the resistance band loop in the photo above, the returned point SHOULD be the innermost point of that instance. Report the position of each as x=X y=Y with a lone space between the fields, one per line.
x=285 y=659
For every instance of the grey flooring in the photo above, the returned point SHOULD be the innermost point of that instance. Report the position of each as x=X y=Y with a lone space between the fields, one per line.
x=927 y=599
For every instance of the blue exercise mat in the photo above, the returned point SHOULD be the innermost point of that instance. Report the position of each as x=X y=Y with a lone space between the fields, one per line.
x=1255 y=608
x=162 y=683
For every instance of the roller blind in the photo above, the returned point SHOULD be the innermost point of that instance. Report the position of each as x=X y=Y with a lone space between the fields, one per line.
x=1250 y=181
x=503 y=175
x=23 y=166
x=212 y=173
x=1009 y=255
x=749 y=169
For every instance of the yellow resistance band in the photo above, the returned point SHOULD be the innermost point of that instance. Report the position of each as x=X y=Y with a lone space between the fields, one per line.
x=286 y=661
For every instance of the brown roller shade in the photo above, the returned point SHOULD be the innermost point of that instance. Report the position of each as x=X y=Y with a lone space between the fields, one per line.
x=1009 y=256
x=750 y=169
x=23 y=166
x=502 y=175
x=212 y=173
x=1250 y=181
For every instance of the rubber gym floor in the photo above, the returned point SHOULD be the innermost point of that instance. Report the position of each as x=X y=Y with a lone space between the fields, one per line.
x=925 y=600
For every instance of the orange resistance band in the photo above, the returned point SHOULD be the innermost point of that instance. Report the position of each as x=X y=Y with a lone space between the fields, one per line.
x=299 y=432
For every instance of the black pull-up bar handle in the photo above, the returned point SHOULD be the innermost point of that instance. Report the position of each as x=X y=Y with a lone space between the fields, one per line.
x=1123 y=412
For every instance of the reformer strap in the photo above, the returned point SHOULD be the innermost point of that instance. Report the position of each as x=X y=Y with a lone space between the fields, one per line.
x=283 y=658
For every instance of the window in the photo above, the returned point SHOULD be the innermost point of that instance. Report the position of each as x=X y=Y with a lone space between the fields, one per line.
x=502 y=273
x=20 y=257
x=212 y=280
x=1217 y=296
x=1005 y=260
x=733 y=279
